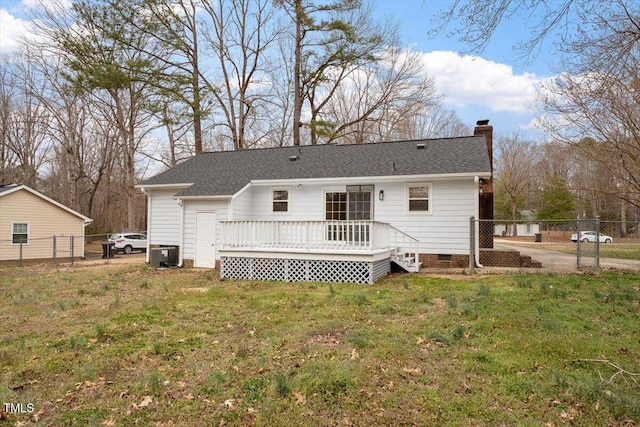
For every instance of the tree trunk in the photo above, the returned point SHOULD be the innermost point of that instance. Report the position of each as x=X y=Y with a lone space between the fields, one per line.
x=297 y=95
x=623 y=218
x=197 y=109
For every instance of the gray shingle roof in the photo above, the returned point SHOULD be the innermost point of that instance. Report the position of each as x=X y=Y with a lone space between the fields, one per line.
x=7 y=187
x=225 y=173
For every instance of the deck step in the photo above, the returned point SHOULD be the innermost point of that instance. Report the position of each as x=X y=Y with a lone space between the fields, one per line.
x=407 y=263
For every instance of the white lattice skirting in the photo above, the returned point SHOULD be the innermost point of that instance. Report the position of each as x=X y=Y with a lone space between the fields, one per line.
x=303 y=270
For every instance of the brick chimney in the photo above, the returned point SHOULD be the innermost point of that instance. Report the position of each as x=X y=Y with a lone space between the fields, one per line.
x=484 y=128
x=486 y=187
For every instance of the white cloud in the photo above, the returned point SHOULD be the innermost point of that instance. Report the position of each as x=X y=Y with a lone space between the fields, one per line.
x=12 y=29
x=471 y=80
x=15 y=23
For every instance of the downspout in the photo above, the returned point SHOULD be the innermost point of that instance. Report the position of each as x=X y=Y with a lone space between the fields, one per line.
x=476 y=186
x=148 y=194
x=181 y=250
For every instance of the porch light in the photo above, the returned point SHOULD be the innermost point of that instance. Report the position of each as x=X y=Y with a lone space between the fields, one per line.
x=381 y=195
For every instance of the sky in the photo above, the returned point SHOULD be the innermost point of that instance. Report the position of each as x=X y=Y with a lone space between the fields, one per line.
x=493 y=85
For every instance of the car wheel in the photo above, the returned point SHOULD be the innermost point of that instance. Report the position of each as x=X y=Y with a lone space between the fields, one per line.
x=128 y=249
x=607 y=240
x=585 y=240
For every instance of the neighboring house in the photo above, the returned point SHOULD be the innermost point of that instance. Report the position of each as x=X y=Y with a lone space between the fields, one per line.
x=517 y=229
x=32 y=218
x=525 y=226
x=328 y=212
x=521 y=229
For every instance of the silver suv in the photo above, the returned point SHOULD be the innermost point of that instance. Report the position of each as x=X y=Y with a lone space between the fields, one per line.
x=129 y=242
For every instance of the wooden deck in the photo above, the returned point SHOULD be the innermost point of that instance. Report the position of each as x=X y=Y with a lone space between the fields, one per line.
x=327 y=251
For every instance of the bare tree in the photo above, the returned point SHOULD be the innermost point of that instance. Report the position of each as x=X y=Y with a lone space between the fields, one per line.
x=515 y=160
x=474 y=22
x=331 y=40
x=24 y=124
x=378 y=101
x=598 y=93
x=179 y=76
x=278 y=106
x=81 y=150
x=239 y=35
x=100 y=64
x=7 y=95
x=605 y=110
x=439 y=122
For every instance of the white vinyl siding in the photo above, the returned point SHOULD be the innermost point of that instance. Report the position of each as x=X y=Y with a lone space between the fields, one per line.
x=164 y=220
x=220 y=207
x=305 y=204
x=445 y=230
x=242 y=205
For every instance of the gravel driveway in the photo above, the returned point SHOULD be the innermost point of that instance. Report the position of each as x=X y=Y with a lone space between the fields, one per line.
x=554 y=261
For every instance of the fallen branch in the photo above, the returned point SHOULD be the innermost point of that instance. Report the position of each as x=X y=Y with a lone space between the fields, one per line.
x=620 y=371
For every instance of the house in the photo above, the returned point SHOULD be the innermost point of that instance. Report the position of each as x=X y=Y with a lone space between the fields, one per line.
x=327 y=212
x=525 y=226
x=28 y=222
x=516 y=229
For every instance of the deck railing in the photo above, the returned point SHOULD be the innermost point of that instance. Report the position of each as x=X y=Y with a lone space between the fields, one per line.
x=404 y=243
x=305 y=235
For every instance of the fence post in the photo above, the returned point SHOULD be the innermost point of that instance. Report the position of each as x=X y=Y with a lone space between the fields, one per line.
x=578 y=244
x=55 y=261
x=597 y=245
x=71 y=248
x=472 y=242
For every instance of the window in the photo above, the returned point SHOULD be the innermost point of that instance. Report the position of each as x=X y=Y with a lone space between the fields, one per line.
x=20 y=233
x=280 y=200
x=418 y=198
x=359 y=200
x=355 y=204
x=336 y=206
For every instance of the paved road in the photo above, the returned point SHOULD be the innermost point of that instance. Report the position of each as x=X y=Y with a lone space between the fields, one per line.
x=560 y=261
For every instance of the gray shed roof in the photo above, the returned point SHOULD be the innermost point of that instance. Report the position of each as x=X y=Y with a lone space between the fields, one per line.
x=7 y=187
x=225 y=173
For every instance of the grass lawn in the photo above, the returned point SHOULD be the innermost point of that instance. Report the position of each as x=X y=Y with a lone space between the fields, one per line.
x=128 y=345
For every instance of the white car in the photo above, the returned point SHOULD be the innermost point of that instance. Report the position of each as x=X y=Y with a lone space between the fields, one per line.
x=129 y=242
x=590 y=236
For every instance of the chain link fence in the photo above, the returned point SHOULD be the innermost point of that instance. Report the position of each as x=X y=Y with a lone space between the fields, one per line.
x=57 y=250
x=560 y=245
